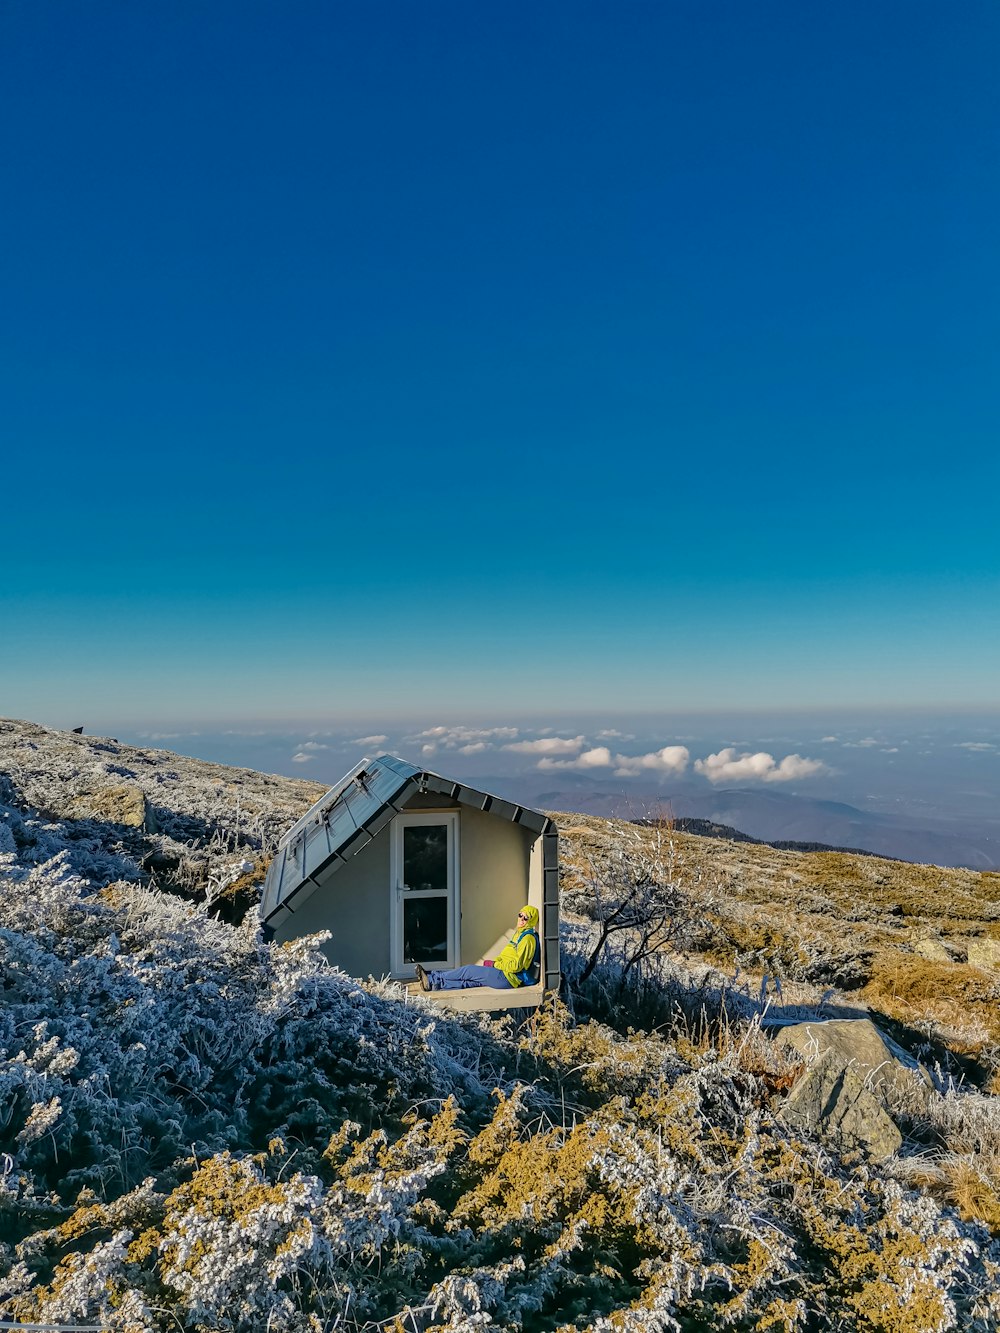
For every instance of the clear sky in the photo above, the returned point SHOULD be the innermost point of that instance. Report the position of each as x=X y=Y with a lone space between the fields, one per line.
x=380 y=359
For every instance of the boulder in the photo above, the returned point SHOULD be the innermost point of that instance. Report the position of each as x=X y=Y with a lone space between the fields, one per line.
x=831 y=1099
x=855 y=1078
x=933 y=950
x=891 y=1074
x=122 y=803
x=984 y=952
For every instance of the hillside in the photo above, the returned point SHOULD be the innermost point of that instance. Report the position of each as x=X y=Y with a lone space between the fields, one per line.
x=917 y=943
x=204 y=1131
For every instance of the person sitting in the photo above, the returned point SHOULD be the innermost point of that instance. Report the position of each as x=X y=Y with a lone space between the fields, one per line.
x=515 y=965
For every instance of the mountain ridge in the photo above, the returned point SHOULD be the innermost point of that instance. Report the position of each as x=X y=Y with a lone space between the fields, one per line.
x=771 y=815
x=706 y=828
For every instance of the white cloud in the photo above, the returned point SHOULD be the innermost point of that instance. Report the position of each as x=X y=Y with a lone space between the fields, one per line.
x=549 y=745
x=302 y=758
x=891 y=749
x=866 y=744
x=974 y=745
x=671 y=759
x=475 y=748
x=611 y=735
x=795 y=766
x=370 y=740
x=827 y=740
x=728 y=766
x=313 y=745
x=599 y=757
x=451 y=738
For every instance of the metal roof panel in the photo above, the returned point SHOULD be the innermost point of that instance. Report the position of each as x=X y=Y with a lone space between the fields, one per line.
x=350 y=814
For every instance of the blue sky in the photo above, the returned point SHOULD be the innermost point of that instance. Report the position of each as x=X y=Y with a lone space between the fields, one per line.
x=392 y=360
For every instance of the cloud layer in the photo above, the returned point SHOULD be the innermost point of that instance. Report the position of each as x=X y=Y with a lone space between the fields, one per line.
x=460 y=738
x=550 y=752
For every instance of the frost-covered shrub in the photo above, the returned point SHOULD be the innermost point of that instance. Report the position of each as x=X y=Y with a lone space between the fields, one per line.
x=208 y=1131
x=200 y=1130
x=137 y=1029
x=125 y=813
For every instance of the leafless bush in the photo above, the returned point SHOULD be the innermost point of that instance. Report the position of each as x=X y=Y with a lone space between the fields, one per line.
x=628 y=886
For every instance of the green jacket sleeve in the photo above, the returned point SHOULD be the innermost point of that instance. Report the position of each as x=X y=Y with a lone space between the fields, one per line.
x=516 y=956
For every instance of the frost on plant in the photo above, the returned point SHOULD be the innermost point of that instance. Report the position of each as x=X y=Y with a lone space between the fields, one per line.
x=200 y=1130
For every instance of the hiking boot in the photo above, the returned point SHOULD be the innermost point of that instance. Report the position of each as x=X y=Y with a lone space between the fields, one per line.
x=424 y=979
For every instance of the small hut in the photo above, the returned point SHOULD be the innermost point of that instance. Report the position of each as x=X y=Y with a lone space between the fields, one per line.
x=404 y=866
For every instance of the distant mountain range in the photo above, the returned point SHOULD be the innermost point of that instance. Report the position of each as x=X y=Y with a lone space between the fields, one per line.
x=707 y=828
x=776 y=817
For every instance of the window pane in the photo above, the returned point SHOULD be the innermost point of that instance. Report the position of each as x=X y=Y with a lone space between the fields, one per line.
x=425 y=930
x=425 y=856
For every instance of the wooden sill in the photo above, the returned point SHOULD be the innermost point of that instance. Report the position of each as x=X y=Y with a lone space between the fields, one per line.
x=480 y=998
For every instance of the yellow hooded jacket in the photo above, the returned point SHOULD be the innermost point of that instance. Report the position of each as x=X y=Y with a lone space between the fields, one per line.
x=519 y=955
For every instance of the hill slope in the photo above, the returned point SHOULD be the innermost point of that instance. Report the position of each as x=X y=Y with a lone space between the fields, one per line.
x=203 y=1131
x=881 y=933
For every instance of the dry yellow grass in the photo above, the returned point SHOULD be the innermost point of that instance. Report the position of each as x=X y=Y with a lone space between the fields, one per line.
x=834 y=919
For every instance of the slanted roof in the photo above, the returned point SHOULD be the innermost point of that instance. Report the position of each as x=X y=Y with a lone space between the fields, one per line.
x=350 y=815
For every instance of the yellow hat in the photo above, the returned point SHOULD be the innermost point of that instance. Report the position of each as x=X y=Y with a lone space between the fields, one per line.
x=530 y=915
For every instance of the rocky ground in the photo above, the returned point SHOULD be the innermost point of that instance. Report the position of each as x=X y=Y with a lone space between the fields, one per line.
x=120 y=812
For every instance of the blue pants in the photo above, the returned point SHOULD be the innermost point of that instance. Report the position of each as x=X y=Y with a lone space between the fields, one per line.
x=464 y=978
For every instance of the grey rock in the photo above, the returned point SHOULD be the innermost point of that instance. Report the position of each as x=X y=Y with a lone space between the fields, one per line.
x=119 y=803
x=891 y=1074
x=831 y=1099
x=984 y=952
x=933 y=950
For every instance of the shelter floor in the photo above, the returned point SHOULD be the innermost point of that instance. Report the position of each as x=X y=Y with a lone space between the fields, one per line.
x=479 y=998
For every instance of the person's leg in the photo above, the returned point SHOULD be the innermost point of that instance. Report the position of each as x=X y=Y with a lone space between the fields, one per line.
x=463 y=978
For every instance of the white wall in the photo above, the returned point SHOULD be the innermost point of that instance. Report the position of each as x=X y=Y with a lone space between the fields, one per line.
x=353 y=903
